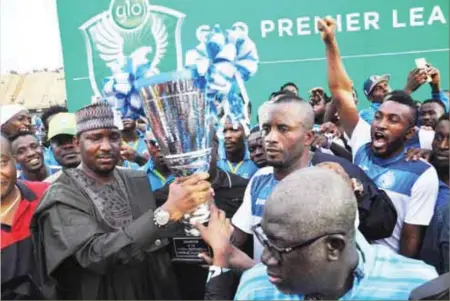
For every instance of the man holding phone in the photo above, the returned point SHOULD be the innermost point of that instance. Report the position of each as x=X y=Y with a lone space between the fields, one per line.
x=426 y=73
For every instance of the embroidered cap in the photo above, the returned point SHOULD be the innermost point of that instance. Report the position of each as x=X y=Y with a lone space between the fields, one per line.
x=96 y=116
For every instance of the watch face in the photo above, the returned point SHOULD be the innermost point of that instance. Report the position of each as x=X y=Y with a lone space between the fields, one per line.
x=162 y=217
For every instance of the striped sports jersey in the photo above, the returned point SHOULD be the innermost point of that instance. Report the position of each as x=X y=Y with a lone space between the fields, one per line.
x=381 y=274
x=412 y=186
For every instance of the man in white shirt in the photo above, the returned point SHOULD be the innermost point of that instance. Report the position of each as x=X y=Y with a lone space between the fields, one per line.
x=379 y=150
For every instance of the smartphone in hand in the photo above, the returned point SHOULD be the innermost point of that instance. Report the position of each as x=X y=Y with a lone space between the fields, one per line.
x=421 y=63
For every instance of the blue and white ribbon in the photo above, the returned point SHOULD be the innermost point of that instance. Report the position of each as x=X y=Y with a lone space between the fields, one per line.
x=120 y=89
x=226 y=60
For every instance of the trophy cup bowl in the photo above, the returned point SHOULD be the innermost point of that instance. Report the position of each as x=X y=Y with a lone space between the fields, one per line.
x=178 y=111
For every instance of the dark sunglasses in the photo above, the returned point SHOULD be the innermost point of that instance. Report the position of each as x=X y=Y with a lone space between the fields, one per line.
x=276 y=251
x=151 y=141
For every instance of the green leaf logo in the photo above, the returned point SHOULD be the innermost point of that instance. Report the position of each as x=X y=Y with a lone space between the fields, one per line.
x=128 y=14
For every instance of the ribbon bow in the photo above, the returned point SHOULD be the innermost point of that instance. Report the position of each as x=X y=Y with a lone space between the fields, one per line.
x=226 y=60
x=120 y=88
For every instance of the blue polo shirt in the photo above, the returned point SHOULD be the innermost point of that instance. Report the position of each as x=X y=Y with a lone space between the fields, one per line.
x=49 y=157
x=369 y=114
x=246 y=168
x=157 y=180
x=381 y=274
x=140 y=147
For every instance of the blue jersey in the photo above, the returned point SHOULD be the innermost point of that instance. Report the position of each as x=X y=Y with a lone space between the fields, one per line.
x=49 y=157
x=251 y=211
x=245 y=169
x=369 y=114
x=381 y=274
x=140 y=147
x=156 y=179
x=412 y=186
x=421 y=139
x=443 y=195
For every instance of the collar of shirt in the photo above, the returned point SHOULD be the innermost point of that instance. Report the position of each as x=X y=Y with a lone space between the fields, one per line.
x=387 y=161
x=365 y=261
x=18 y=230
x=147 y=167
x=375 y=105
x=50 y=171
x=222 y=152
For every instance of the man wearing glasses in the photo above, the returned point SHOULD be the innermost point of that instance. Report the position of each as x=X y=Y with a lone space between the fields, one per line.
x=156 y=168
x=314 y=256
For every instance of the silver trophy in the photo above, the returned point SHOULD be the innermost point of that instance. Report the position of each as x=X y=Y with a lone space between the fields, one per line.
x=179 y=115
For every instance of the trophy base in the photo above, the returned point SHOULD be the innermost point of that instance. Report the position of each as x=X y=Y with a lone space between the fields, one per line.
x=186 y=249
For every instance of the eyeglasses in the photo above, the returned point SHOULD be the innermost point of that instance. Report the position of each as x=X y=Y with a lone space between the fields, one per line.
x=276 y=251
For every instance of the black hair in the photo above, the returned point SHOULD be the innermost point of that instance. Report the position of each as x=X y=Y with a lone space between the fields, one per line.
x=281 y=93
x=437 y=101
x=256 y=129
x=22 y=134
x=288 y=97
x=401 y=97
x=53 y=110
x=287 y=85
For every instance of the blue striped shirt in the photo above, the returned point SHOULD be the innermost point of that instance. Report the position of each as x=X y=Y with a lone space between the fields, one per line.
x=381 y=274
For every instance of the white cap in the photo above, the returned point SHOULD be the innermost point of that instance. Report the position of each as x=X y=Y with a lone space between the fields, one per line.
x=9 y=111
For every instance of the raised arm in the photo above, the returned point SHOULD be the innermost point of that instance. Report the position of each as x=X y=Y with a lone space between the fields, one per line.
x=339 y=83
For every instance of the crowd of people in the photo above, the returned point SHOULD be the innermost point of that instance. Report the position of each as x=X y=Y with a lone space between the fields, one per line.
x=316 y=201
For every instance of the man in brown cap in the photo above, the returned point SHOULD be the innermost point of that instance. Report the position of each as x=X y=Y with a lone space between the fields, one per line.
x=98 y=232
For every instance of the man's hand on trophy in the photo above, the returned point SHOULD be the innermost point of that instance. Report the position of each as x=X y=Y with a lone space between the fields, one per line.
x=186 y=194
x=217 y=235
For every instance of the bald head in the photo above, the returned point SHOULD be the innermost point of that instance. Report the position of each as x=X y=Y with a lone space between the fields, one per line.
x=302 y=110
x=309 y=202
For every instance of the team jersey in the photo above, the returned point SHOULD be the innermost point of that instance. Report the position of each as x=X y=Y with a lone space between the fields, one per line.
x=421 y=139
x=140 y=147
x=380 y=274
x=245 y=169
x=412 y=186
x=251 y=211
x=155 y=178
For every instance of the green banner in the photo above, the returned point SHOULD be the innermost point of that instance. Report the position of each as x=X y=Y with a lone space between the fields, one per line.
x=375 y=37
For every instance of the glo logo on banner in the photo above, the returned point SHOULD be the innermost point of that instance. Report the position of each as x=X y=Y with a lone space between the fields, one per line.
x=132 y=29
x=128 y=14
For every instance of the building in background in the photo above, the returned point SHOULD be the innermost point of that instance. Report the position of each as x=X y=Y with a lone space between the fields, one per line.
x=36 y=90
